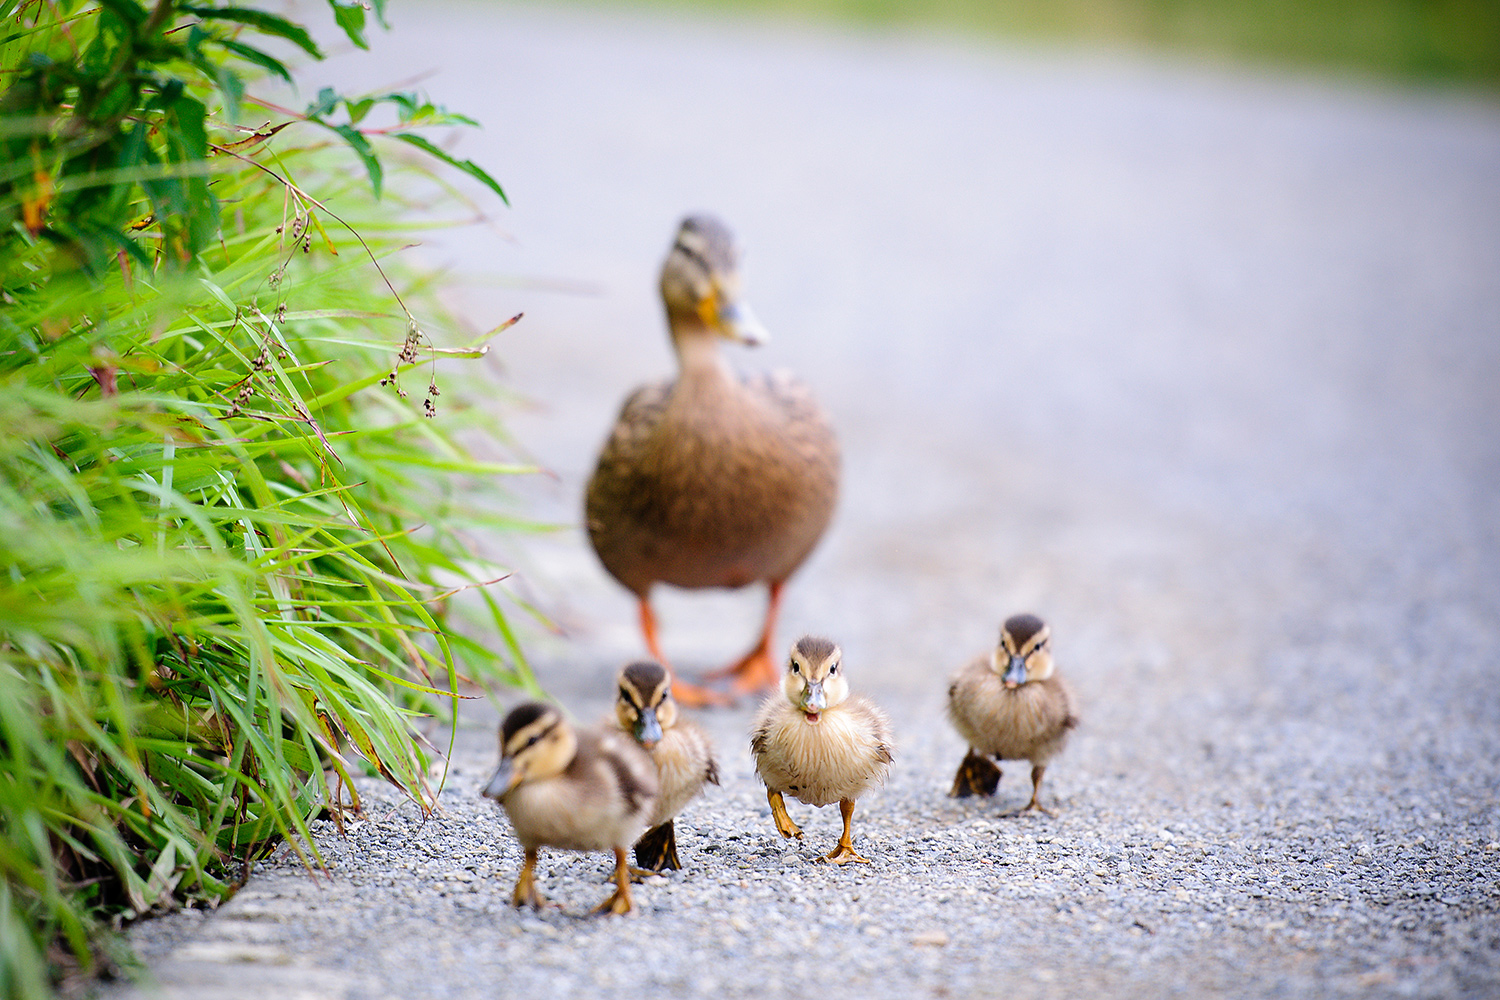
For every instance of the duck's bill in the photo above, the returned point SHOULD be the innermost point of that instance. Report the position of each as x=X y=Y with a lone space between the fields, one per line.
x=1015 y=673
x=502 y=781
x=813 y=699
x=648 y=729
x=737 y=322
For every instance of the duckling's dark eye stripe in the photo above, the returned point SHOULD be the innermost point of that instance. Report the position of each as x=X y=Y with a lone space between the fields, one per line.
x=537 y=736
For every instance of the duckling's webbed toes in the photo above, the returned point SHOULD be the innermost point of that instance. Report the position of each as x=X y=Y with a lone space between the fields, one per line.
x=976 y=776
x=657 y=848
x=618 y=904
x=526 y=895
x=843 y=854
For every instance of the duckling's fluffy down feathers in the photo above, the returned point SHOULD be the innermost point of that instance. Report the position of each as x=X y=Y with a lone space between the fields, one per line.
x=839 y=757
x=684 y=764
x=1029 y=722
x=604 y=798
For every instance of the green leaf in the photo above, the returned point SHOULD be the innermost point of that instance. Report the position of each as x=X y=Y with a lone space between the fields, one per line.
x=351 y=17
x=262 y=21
x=365 y=151
x=328 y=99
x=467 y=166
x=253 y=55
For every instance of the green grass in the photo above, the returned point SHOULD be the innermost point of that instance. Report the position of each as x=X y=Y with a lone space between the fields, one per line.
x=1417 y=40
x=233 y=525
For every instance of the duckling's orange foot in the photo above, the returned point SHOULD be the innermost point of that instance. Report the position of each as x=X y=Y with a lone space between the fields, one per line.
x=1031 y=807
x=526 y=895
x=843 y=854
x=976 y=776
x=784 y=824
x=618 y=904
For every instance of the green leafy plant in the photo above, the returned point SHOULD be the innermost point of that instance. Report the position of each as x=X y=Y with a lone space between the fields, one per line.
x=231 y=545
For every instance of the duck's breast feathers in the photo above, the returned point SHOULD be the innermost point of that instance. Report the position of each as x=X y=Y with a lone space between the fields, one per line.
x=841 y=756
x=1030 y=722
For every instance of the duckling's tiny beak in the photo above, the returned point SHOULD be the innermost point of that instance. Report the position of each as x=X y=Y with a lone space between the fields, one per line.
x=502 y=781
x=1015 y=674
x=739 y=323
x=647 y=728
x=813 y=699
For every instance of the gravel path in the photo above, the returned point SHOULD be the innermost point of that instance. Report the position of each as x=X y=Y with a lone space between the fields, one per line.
x=1202 y=366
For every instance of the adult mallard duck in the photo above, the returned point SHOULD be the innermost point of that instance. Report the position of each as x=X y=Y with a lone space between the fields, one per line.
x=1010 y=705
x=680 y=748
x=817 y=744
x=580 y=790
x=712 y=480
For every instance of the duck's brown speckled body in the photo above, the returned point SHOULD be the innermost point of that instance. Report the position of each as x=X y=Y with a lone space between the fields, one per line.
x=712 y=479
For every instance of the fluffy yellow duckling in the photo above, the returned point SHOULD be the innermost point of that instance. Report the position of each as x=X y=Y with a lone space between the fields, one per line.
x=817 y=744
x=580 y=790
x=712 y=479
x=680 y=748
x=1010 y=705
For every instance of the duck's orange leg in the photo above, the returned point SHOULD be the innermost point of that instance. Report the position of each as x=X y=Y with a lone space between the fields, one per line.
x=757 y=670
x=692 y=695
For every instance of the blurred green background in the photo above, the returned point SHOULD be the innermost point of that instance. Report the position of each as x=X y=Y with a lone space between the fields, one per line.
x=1454 y=41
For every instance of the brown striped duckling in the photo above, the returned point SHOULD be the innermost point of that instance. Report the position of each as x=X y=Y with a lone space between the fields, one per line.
x=579 y=790
x=680 y=748
x=818 y=744
x=1010 y=705
x=712 y=479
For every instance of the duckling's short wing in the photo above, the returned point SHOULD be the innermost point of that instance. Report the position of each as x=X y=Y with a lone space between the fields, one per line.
x=880 y=730
x=631 y=775
x=685 y=762
x=602 y=800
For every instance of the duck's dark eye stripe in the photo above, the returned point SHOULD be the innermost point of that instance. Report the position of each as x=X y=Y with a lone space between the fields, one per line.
x=693 y=255
x=625 y=696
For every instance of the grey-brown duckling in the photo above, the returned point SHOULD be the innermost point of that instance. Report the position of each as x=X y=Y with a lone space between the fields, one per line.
x=1011 y=705
x=681 y=750
x=817 y=743
x=579 y=790
x=712 y=479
